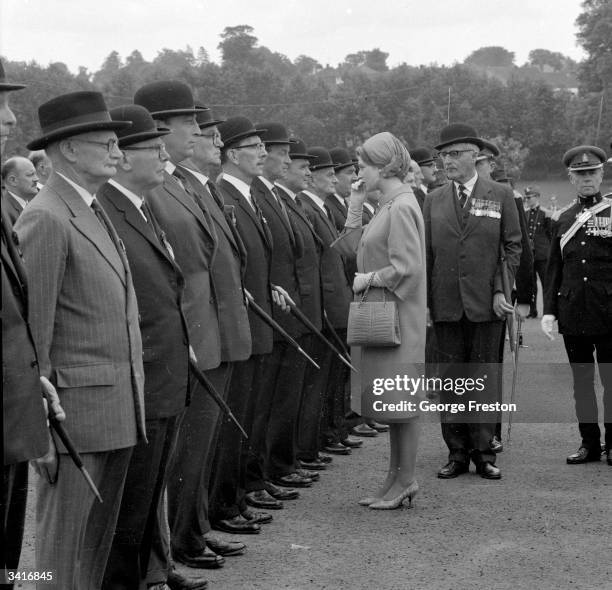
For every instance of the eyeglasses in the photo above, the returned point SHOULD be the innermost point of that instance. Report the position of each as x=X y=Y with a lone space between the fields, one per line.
x=215 y=136
x=110 y=145
x=454 y=154
x=257 y=146
x=161 y=150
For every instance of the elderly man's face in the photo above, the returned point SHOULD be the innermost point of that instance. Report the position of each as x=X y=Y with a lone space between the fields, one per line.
x=22 y=181
x=298 y=175
x=429 y=172
x=587 y=182
x=147 y=160
x=207 y=150
x=459 y=161
x=249 y=155
x=324 y=182
x=96 y=154
x=277 y=163
x=345 y=177
x=181 y=142
x=7 y=119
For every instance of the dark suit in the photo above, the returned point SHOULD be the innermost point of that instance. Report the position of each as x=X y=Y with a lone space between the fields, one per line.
x=338 y=212
x=579 y=294
x=539 y=228
x=23 y=421
x=158 y=283
x=188 y=491
x=463 y=247
x=11 y=207
x=84 y=320
x=227 y=487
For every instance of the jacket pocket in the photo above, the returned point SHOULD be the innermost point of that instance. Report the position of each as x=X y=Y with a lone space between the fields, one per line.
x=86 y=375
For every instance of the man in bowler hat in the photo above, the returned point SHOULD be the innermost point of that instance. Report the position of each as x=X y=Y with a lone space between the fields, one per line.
x=467 y=223
x=85 y=324
x=579 y=296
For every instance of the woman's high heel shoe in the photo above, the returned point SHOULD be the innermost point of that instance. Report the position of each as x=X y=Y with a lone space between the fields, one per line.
x=410 y=492
x=367 y=501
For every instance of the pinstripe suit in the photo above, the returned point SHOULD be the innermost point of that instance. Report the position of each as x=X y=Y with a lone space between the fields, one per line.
x=84 y=321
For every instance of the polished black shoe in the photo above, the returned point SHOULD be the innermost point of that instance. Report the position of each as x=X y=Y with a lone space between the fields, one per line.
x=378 y=426
x=177 y=581
x=316 y=465
x=237 y=525
x=453 y=469
x=281 y=493
x=224 y=548
x=488 y=470
x=337 y=449
x=364 y=430
x=293 y=480
x=256 y=517
x=609 y=457
x=206 y=559
x=325 y=458
x=307 y=474
x=496 y=445
x=583 y=455
x=262 y=499
x=351 y=443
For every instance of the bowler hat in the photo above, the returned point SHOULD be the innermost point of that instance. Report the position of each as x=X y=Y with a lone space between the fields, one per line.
x=422 y=155
x=236 y=129
x=204 y=118
x=584 y=157
x=459 y=133
x=6 y=86
x=274 y=133
x=72 y=114
x=297 y=150
x=321 y=159
x=488 y=149
x=143 y=126
x=341 y=158
x=168 y=98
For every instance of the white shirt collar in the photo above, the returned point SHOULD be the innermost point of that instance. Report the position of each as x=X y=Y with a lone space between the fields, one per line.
x=318 y=200
x=424 y=188
x=469 y=185
x=369 y=207
x=85 y=195
x=203 y=179
x=21 y=201
x=240 y=185
x=340 y=200
x=133 y=197
x=288 y=191
x=170 y=167
x=267 y=183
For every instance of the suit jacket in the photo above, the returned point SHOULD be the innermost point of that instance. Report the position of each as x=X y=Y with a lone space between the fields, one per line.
x=288 y=247
x=226 y=272
x=420 y=197
x=337 y=291
x=194 y=241
x=308 y=265
x=11 y=207
x=524 y=275
x=159 y=285
x=463 y=250
x=338 y=212
x=24 y=422
x=539 y=227
x=258 y=243
x=579 y=279
x=84 y=318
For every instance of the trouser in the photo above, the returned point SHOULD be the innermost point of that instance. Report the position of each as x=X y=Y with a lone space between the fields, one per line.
x=469 y=350
x=580 y=352
x=539 y=270
x=74 y=532
x=14 y=496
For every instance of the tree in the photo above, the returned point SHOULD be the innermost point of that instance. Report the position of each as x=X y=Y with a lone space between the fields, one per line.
x=373 y=58
x=491 y=56
x=307 y=65
x=237 y=44
x=543 y=57
x=595 y=34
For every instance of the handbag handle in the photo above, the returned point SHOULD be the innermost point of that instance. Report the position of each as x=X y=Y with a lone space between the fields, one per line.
x=365 y=293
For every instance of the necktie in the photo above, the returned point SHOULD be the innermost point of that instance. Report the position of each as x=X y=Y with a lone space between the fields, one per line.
x=106 y=224
x=284 y=213
x=216 y=195
x=463 y=196
x=158 y=231
x=180 y=178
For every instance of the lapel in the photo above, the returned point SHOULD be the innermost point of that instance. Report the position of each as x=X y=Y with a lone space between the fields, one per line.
x=11 y=257
x=173 y=187
x=213 y=209
x=12 y=208
x=321 y=215
x=264 y=193
x=86 y=222
x=133 y=217
x=448 y=208
x=297 y=209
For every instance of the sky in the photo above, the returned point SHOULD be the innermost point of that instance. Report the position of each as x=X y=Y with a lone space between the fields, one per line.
x=84 y=32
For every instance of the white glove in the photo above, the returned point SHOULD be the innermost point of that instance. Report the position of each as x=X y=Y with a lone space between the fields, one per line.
x=547 y=324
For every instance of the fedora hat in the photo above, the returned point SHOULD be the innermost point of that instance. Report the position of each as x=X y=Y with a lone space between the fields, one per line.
x=5 y=85
x=274 y=133
x=584 y=157
x=488 y=150
x=143 y=126
x=341 y=158
x=459 y=133
x=72 y=114
x=422 y=155
x=297 y=150
x=204 y=118
x=237 y=128
x=168 y=98
x=321 y=158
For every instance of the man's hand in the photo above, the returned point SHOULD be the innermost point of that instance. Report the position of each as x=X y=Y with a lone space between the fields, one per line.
x=547 y=324
x=48 y=464
x=500 y=306
x=523 y=309
x=51 y=401
x=280 y=297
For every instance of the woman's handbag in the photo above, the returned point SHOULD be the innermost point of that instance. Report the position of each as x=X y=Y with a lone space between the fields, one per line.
x=373 y=323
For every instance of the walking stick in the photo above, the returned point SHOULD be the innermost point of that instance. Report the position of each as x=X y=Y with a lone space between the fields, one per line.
x=515 y=361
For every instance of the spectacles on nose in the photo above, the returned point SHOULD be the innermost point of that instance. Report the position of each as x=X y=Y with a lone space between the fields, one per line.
x=110 y=145
x=161 y=150
x=215 y=136
x=258 y=146
x=453 y=154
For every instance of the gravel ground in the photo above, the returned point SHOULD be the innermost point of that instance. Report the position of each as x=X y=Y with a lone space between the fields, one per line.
x=544 y=525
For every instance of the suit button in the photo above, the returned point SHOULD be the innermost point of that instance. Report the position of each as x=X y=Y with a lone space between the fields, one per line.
x=34 y=364
x=585 y=279
x=582 y=243
x=211 y=300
